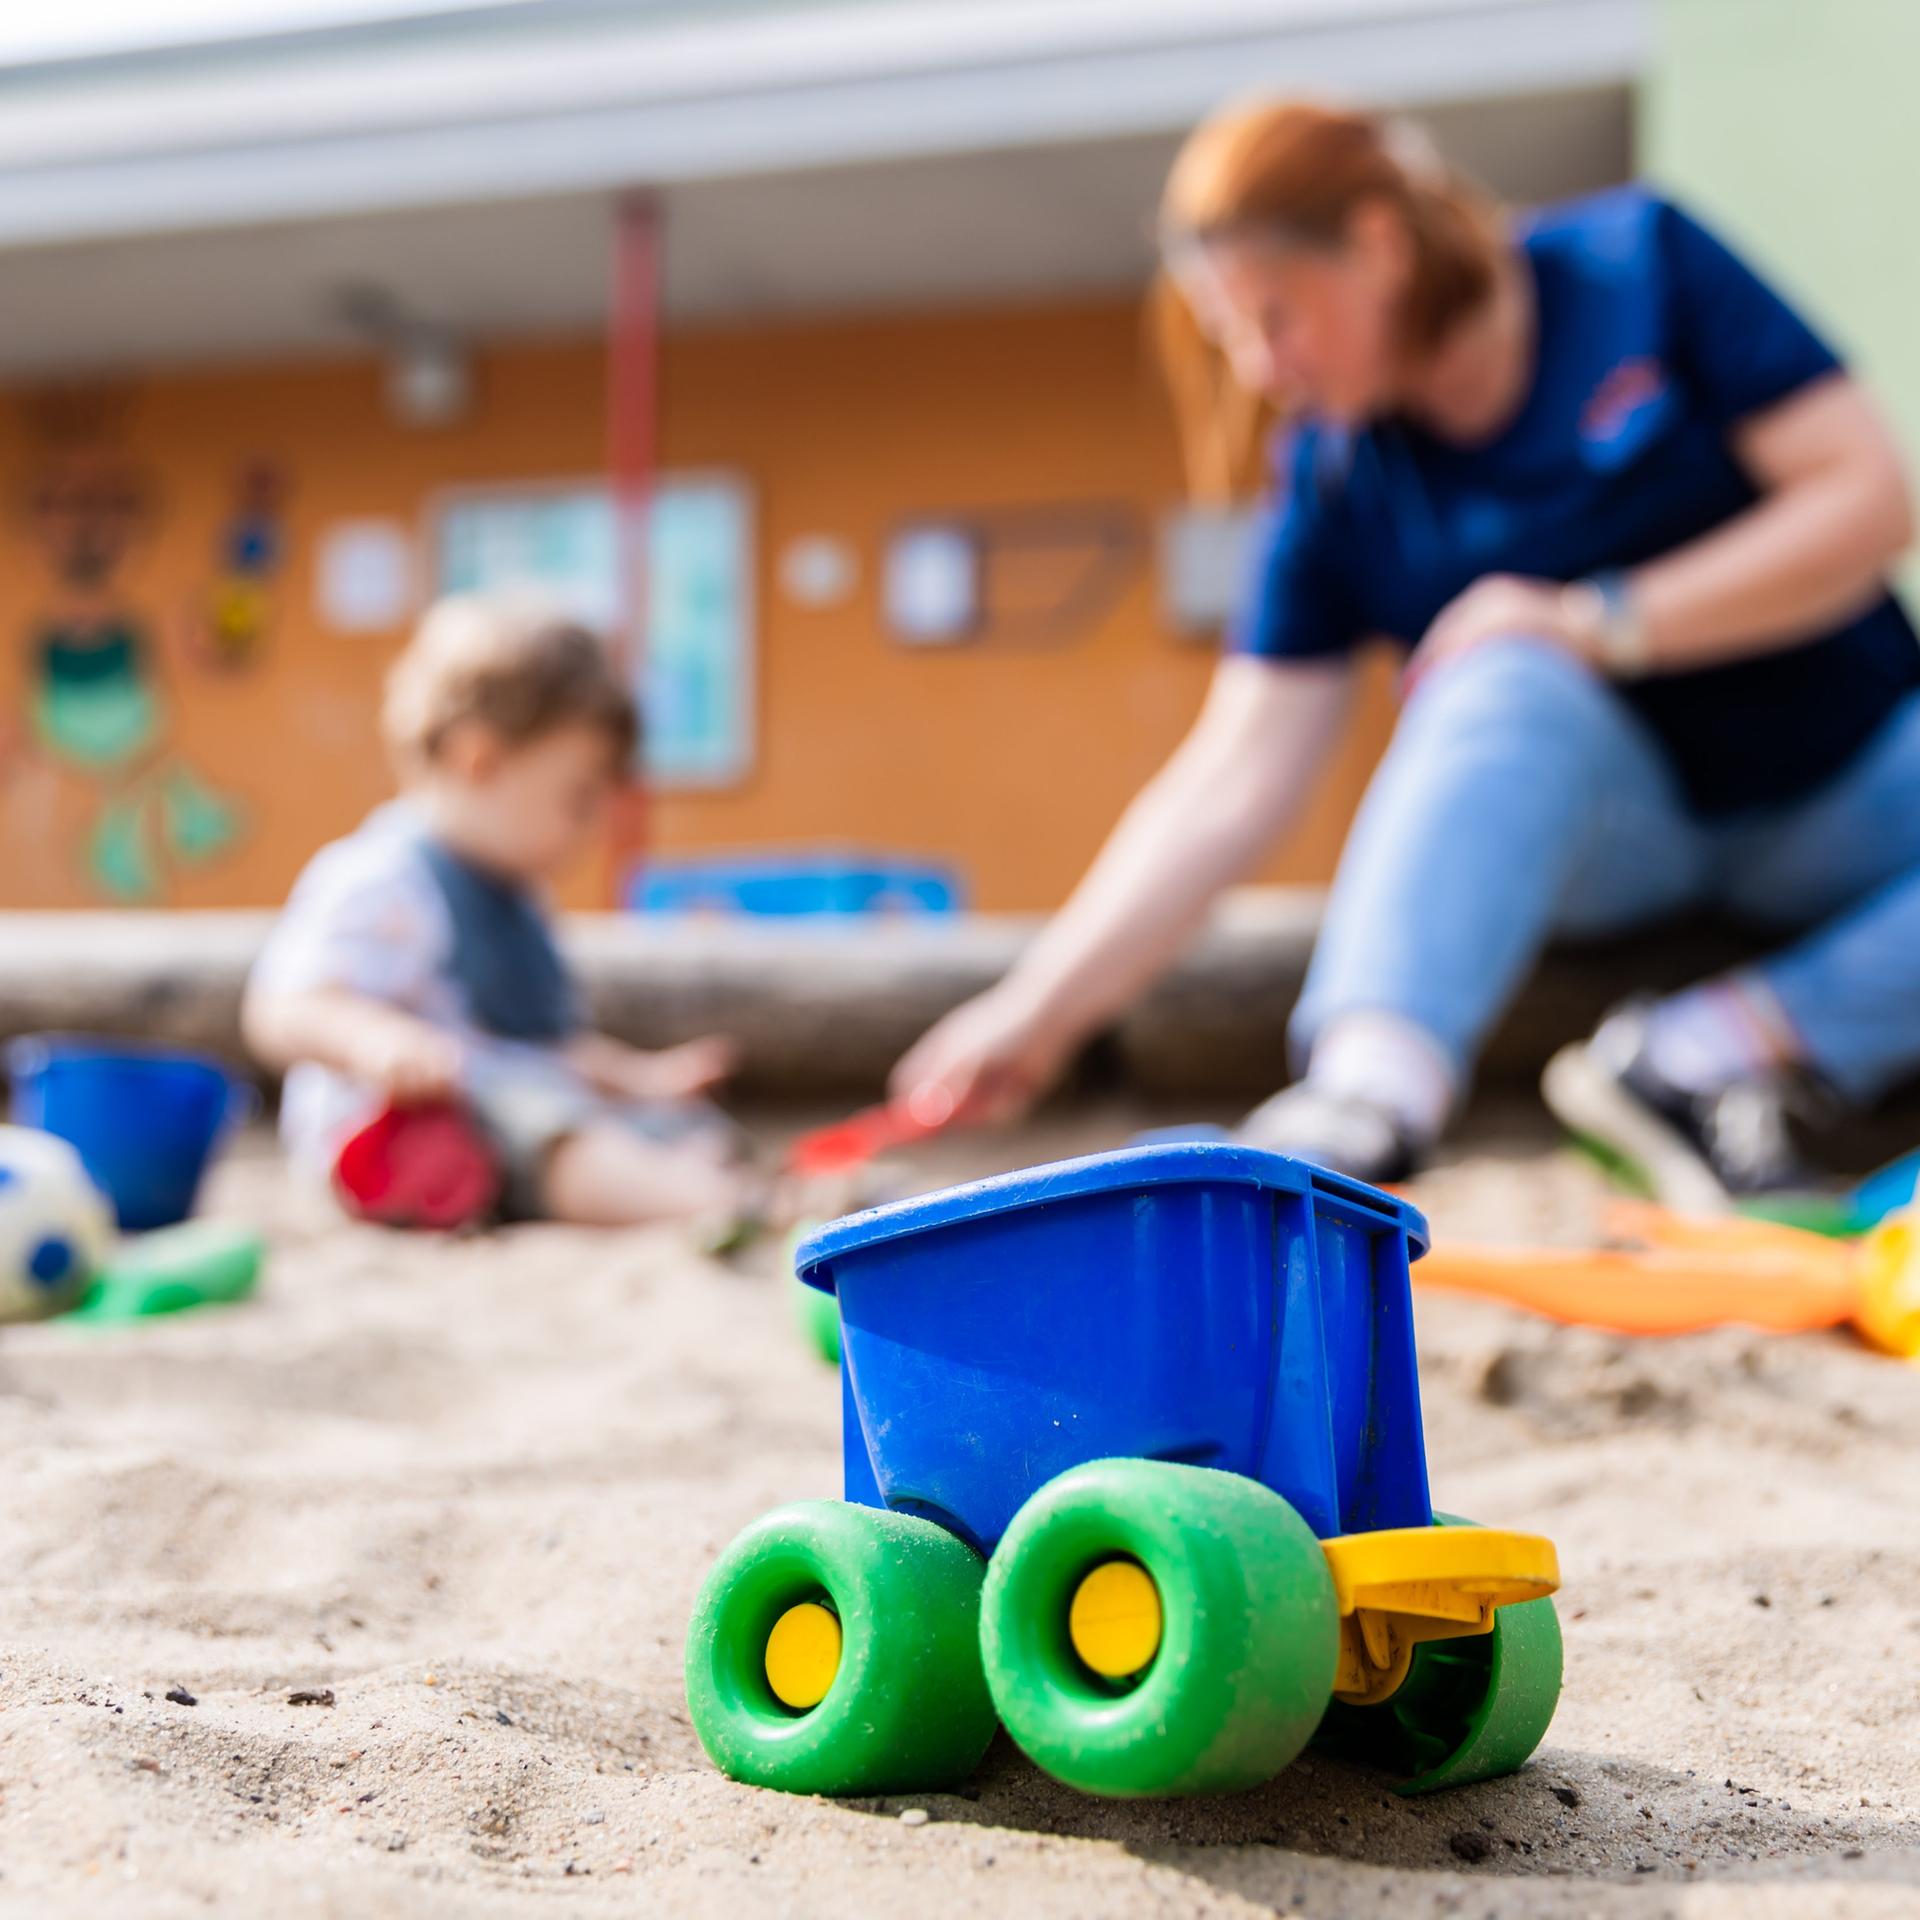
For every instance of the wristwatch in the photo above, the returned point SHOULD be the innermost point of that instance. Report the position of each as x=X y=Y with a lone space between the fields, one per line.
x=1601 y=610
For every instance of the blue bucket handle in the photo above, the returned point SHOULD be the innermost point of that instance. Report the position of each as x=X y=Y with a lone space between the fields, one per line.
x=243 y=1105
x=26 y=1055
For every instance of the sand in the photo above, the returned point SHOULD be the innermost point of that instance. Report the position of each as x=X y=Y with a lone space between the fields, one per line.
x=463 y=1494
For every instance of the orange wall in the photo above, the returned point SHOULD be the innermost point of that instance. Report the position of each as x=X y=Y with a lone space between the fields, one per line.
x=1009 y=762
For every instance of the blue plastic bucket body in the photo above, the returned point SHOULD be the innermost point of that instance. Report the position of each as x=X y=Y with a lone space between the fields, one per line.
x=1199 y=1302
x=144 y=1120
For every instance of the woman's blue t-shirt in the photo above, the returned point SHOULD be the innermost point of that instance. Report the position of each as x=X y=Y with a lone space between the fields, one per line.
x=1653 y=342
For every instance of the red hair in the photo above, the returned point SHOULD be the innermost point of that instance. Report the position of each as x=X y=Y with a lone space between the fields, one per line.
x=1295 y=171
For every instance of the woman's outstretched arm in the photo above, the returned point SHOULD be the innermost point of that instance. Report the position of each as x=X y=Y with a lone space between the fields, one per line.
x=1230 y=789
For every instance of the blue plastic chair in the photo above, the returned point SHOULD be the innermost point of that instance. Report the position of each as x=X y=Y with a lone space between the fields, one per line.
x=796 y=886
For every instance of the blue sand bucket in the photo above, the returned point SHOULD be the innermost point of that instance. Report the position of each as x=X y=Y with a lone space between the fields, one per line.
x=1195 y=1301
x=145 y=1120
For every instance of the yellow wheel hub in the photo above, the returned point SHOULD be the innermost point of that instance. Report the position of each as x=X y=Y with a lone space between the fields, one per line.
x=803 y=1655
x=1114 y=1621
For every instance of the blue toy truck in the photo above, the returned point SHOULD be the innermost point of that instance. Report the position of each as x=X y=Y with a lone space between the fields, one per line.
x=1134 y=1468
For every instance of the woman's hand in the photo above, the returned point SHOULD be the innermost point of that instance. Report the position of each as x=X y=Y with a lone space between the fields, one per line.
x=1499 y=606
x=987 y=1061
x=1200 y=823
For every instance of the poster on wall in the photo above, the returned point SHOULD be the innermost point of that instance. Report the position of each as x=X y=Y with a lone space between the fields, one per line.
x=1044 y=574
x=363 y=572
x=697 y=682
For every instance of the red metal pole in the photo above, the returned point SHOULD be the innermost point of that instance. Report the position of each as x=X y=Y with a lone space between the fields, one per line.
x=633 y=412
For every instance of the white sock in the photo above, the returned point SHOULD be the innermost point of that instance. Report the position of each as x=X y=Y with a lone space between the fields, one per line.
x=1712 y=1035
x=1391 y=1063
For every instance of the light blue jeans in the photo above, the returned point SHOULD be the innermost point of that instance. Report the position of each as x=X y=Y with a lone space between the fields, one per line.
x=1521 y=800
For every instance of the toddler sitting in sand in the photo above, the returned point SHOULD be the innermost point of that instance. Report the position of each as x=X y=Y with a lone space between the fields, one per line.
x=438 y=1067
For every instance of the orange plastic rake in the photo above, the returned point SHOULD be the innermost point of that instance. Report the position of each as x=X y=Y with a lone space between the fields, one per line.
x=1699 y=1273
x=1652 y=1290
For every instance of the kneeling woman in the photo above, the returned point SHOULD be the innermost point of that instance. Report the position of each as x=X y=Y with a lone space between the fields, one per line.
x=1635 y=523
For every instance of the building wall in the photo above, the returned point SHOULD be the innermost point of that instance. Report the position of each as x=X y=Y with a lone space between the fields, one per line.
x=1792 y=126
x=1009 y=760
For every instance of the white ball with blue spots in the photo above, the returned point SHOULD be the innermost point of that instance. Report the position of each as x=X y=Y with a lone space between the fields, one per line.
x=55 y=1225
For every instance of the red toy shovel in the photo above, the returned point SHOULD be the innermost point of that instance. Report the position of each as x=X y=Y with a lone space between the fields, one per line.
x=852 y=1142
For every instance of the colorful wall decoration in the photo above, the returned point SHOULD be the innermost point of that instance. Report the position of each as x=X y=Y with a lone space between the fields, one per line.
x=96 y=699
x=249 y=552
x=192 y=649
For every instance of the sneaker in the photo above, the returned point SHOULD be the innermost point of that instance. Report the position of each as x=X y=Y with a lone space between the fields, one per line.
x=1340 y=1132
x=1695 y=1152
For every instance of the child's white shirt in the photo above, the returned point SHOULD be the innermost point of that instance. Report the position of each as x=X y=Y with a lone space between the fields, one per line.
x=366 y=916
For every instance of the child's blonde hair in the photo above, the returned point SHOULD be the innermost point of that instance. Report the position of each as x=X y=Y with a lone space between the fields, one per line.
x=511 y=661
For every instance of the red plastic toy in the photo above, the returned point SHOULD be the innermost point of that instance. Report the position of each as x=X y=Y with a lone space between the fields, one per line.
x=426 y=1166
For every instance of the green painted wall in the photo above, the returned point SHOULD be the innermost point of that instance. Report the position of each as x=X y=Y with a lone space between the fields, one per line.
x=1794 y=125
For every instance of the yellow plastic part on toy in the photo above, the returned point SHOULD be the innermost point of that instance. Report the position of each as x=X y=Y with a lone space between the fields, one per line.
x=1403 y=1585
x=1888 y=1312
x=1114 y=1621
x=803 y=1655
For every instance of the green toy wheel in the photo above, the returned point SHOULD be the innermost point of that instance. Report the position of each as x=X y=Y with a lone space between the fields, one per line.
x=1150 y=1628
x=835 y=1649
x=817 y=1315
x=1469 y=1709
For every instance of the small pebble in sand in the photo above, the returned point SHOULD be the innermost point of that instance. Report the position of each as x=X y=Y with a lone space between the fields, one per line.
x=182 y=1698
x=310 y=1697
x=914 y=1816
x=1468 y=1845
